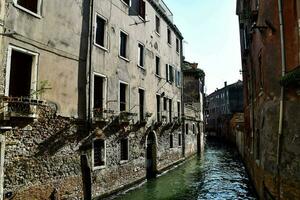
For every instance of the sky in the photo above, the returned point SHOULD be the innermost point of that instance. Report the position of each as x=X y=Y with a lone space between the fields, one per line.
x=211 y=38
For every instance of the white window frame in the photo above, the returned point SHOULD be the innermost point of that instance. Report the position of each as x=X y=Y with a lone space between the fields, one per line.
x=127 y=43
x=105 y=39
x=34 y=68
x=127 y=95
x=39 y=8
x=104 y=90
x=124 y=161
x=93 y=161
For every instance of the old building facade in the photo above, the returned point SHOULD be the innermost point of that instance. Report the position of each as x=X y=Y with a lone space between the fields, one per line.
x=91 y=99
x=193 y=104
x=270 y=57
x=221 y=106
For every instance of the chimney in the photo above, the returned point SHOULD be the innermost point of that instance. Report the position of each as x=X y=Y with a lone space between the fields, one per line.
x=225 y=84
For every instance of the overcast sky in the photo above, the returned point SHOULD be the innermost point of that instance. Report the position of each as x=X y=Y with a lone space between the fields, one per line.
x=211 y=35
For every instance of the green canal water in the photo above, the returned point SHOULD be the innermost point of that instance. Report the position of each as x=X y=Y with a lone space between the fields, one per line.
x=218 y=174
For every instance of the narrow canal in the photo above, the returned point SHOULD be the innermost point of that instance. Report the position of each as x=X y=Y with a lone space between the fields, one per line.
x=219 y=174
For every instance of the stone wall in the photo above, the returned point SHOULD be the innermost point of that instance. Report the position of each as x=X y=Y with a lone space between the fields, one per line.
x=41 y=157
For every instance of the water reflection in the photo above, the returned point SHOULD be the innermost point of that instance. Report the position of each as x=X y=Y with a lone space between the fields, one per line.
x=219 y=174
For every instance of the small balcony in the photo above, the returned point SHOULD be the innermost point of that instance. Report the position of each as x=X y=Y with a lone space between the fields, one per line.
x=125 y=118
x=19 y=107
x=102 y=115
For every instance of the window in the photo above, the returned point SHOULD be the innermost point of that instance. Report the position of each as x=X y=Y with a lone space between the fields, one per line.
x=99 y=93
x=186 y=129
x=178 y=110
x=171 y=141
x=167 y=72
x=177 y=45
x=158 y=117
x=123 y=44
x=157 y=24
x=21 y=72
x=100 y=31
x=31 y=6
x=194 y=130
x=170 y=110
x=99 y=154
x=141 y=104
x=179 y=139
x=123 y=97
x=124 y=143
x=169 y=36
x=171 y=74
x=142 y=9
x=165 y=103
x=177 y=78
x=127 y=2
x=141 y=55
x=157 y=65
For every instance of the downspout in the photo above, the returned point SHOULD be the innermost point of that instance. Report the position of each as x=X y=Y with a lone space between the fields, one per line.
x=90 y=73
x=182 y=103
x=283 y=67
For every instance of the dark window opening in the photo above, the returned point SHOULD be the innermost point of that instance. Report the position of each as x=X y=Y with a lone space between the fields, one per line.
x=142 y=9
x=99 y=152
x=167 y=72
x=171 y=73
x=178 y=110
x=158 y=108
x=194 y=131
x=31 y=5
x=141 y=55
x=126 y=2
x=100 y=31
x=165 y=103
x=186 y=129
x=177 y=45
x=171 y=141
x=170 y=110
x=157 y=24
x=124 y=149
x=179 y=139
x=169 y=36
x=123 y=44
x=141 y=102
x=123 y=88
x=98 y=92
x=157 y=65
x=20 y=74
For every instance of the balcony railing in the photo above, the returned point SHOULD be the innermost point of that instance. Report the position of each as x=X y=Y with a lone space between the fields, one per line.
x=20 y=107
x=102 y=115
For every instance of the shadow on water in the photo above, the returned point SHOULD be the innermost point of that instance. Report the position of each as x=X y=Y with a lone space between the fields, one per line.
x=218 y=174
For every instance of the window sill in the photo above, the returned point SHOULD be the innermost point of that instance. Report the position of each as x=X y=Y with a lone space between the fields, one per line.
x=99 y=167
x=141 y=67
x=144 y=20
x=27 y=11
x=177 y=53
x=100 y=47
x=123 y=58
x=124 y=162
x=158 y=76
x=157 y=33
x=170 y=45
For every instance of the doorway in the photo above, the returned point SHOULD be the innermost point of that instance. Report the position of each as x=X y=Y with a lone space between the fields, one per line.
x=151 y=148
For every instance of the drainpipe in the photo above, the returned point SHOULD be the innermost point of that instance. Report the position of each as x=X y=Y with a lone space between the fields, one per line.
x=182 y=103
x=283 y=67
x=90 y=73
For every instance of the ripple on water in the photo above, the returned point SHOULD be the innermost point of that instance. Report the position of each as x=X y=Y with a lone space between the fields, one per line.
x=219 y=175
